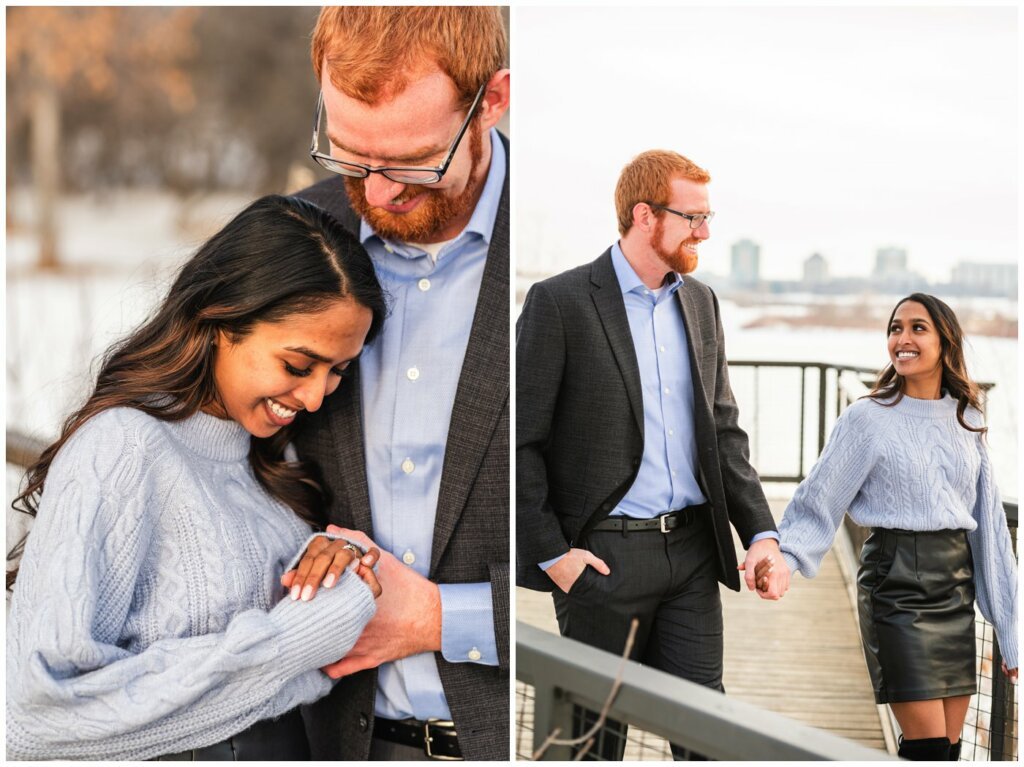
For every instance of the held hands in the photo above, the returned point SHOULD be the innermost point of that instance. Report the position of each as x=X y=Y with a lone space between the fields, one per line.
x=569 y=568
x=408 y=619
x=324 y=562
x=766 y=570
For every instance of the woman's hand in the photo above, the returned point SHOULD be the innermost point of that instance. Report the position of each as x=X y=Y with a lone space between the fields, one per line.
x=324 y=562
x=1011 y=673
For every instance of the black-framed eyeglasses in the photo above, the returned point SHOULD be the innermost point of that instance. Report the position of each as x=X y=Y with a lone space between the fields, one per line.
x=401 y=175
x=696 y=219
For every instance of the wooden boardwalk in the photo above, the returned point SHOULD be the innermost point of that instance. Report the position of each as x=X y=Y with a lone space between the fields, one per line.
x=799 y=657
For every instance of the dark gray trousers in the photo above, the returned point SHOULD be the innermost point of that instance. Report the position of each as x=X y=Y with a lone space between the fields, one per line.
x=669 y=582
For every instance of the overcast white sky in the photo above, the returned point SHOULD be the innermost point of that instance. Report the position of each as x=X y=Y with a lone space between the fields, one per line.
x=831 y=130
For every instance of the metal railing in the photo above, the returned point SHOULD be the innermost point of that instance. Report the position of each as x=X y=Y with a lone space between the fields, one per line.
x=565 y=673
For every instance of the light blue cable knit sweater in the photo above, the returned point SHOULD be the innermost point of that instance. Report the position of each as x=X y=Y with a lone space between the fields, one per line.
x=143 y=621
x=911 y=466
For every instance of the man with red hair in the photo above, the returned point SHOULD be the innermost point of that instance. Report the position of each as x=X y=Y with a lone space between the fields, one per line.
x=630 y=463
x=414 y=446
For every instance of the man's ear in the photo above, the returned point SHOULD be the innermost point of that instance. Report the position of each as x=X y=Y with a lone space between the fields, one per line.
x=643 y=216
x=494 y=104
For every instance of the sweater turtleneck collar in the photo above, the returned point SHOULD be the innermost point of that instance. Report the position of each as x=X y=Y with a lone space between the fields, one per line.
x=928 y=408
x=217 y=439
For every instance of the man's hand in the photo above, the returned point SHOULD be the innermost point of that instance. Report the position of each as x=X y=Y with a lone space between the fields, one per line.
x=408 y=619
x=570 y=567
x=766 y=570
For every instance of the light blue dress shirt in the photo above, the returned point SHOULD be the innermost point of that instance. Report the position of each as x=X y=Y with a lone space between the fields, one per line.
x=667 y=478
x=408 y=379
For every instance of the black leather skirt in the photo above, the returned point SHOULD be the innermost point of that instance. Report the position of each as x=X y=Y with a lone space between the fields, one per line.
x=281 y=739
x=916 y=603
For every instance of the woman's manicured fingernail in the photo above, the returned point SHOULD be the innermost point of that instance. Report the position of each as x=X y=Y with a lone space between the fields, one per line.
x=307 y=593
x=296 y=591
x=329 y=580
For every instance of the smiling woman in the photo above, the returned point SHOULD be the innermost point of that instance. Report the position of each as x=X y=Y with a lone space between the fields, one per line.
x=264 y=379
x=910 y=462
x=161 y=628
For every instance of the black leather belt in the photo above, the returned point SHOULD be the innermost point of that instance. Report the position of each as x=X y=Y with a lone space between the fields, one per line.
x=437 y=738
x=663 y=524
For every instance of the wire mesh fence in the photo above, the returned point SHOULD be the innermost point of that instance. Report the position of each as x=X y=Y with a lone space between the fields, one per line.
x=636 y=745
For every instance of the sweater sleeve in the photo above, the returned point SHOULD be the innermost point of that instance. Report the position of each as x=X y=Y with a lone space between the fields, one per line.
x=812 y=517
x=995 y=565
x=74 y=692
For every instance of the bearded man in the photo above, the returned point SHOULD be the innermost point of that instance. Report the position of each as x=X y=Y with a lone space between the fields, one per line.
x=630 y=464
x=414 y=446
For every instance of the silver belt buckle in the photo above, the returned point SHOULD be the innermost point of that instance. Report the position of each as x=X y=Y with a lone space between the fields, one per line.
x=662 y=522
x=427 y=740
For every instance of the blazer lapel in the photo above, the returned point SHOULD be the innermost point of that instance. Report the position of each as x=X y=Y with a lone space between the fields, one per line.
x=482 y=393
x=612 y=311
x=703 y=420
x=346 y=427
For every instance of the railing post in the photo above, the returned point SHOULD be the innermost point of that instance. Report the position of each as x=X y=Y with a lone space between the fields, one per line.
x=1001 y=744
x=822 y=373
x=551 y=711
x=803 y=419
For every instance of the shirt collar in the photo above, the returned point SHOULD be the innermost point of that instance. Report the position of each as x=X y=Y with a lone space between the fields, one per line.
x=484 y=214
x=629 y=280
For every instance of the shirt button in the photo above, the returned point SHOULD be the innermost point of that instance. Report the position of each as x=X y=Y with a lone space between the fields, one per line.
x=412 y=374
x=408 y=466
x=671 y=433
x=389 y=249
x=673 y=472
x=424 y=284
x=668 y=390
x=408 y=557
x=661 y=348
x=475 y=654
x=647 y=292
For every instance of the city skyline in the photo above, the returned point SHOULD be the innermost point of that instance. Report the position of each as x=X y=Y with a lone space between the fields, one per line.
x=744 y=267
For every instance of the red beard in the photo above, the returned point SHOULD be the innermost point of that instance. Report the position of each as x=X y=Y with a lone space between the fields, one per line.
x=679 y=260
x=434 y=212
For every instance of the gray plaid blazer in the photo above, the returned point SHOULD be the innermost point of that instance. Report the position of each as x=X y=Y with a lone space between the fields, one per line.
x=580 y=418
x=471 y=534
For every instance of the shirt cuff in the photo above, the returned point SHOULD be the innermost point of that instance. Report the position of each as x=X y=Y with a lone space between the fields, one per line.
x=545 y=565
x=467 y=624
x=762 y=536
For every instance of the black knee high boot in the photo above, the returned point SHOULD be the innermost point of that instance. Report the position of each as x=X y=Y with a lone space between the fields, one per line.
x=925 y=749
x=954 y=752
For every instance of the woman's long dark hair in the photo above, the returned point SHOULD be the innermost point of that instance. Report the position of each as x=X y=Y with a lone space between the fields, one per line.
x=955 y=379
x=279 y=257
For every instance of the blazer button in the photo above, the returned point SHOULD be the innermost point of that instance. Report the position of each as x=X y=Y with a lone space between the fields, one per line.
x=364 y=723
x=636 y=461
x=605 y=506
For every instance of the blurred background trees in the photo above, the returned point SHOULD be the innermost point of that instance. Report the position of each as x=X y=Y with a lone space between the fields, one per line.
x=189 y=102
x=185 y=99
